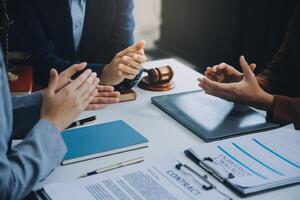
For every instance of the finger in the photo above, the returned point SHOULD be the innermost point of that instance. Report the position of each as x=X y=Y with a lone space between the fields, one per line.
x=89 y=99
x=253 y=66
x=140 y=44
x=88 y=87
x=96 y=106
x=132 y=63
x=222 y=87
x=105 y=100
x=129 y=77
x=131 y=49
x=74 y=85
x=222 y=66
x=102 y=88
x=53 y=82
x=214 y=68
x=108 y=94
x=138 y=58
x=75 y=68
x=128 y=70
x=209 y=76
x=222 y=94
x=246 y=68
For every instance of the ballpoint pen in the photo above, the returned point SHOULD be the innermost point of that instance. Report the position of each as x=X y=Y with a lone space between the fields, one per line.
x=115 y=166
x=83 y=122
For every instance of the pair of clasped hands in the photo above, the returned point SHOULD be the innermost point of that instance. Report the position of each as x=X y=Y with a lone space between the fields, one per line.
x=64 y=99
x=226 y=82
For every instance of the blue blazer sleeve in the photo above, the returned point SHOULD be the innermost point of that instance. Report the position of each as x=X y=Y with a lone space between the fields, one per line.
x=123 y=35
x=123 y=26
x=24 y=165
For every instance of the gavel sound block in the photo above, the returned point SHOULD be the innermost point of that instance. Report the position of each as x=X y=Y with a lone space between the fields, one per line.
x=158 y=79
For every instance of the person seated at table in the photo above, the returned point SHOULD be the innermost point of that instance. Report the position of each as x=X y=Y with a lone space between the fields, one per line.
x=64 y=32
x=275 y=90
x=42 y=116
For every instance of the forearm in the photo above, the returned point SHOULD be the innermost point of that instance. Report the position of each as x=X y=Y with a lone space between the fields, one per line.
x=285 y=110
x=31 y=161
x=34 y=99
x=45 y=64
x=26 y=113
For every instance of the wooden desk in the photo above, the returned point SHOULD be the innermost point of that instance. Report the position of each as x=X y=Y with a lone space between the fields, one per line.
x=23 y=85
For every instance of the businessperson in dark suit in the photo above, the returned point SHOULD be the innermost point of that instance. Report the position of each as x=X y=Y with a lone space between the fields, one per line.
x=59 y=33
x=40 y=117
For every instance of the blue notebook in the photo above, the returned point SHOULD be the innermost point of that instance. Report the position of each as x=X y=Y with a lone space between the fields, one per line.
x=101 y=140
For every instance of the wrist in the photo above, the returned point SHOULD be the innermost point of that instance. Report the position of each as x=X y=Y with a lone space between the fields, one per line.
x=266 y=101
x=55 y=123
x=103 y=79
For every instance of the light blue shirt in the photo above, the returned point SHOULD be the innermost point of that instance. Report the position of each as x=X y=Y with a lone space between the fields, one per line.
x=77 y=8
x=26 y=164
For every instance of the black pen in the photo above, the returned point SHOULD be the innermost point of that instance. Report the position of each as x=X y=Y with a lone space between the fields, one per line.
x=83 y=122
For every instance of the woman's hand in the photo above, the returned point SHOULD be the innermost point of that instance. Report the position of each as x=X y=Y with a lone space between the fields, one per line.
x=127 y=64
x=64 y=106
x=246 y=91
x=224 y=73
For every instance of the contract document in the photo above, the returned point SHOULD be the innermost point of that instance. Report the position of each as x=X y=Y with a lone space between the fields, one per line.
x=140 y=182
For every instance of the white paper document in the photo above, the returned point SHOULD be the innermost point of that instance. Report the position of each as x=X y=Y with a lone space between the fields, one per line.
x=139 y=182
x=262 y=161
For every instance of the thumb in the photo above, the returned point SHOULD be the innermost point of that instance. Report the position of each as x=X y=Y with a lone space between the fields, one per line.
x=74 y=69
x=140 y=44
x=53 y=82
x=246 y=68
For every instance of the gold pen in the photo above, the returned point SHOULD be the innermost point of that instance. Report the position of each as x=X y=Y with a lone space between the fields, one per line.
x=115 y=166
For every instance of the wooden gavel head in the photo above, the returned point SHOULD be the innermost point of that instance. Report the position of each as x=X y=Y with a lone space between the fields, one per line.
x=160 y=75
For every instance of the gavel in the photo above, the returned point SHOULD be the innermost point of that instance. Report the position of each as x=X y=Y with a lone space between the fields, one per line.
x=158 y=79
x=160 y=75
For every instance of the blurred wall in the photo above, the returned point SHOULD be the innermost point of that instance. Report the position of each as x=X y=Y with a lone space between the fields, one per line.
x=148 y=20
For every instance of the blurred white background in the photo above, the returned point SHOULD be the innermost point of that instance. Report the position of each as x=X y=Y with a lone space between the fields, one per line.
x=148 y=19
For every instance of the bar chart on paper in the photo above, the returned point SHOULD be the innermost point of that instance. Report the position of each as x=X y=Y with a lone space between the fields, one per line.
x=256 y=162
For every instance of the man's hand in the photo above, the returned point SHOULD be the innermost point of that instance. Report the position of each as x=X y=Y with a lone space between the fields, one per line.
x=246 y=91
x=105 y=95
x=64 y=106
x=224 y=73
x=127 y=64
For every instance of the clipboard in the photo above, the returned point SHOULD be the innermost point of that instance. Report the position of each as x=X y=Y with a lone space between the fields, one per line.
x=225 y=182
x=252 y=164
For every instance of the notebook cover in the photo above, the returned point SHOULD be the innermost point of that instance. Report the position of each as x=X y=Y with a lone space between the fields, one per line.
x=103 y=139
x=127 y=95
x=211 y=118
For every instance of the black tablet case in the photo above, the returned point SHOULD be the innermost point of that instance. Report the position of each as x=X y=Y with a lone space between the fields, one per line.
x=212 y=118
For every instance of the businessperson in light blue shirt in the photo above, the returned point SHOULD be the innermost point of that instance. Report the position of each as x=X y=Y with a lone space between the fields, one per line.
x=60 y=33
x=77 y=8
x=42 y=116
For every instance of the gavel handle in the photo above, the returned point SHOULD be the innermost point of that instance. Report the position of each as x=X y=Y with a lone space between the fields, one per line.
x=146 y=70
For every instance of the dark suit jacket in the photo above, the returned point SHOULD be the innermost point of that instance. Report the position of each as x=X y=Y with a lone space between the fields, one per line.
x=282 y=77
x=45 y=30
